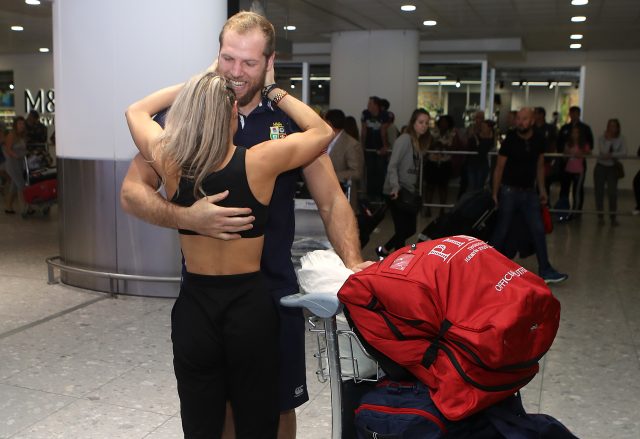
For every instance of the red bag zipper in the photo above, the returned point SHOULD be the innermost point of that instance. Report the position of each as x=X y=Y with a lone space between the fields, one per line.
x=403 y=411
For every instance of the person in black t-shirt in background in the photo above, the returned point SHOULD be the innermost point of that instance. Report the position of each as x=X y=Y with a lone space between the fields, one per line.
x=375 y=123
x=36 y=130
x=520 y=166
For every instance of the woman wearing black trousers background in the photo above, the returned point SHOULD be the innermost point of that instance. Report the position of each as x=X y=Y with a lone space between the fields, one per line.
x=403 y=175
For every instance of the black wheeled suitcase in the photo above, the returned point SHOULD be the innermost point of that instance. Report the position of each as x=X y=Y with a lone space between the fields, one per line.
x=368 y=219
x=472 y=215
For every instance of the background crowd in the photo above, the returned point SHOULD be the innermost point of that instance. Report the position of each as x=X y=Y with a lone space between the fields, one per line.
x=411 y=168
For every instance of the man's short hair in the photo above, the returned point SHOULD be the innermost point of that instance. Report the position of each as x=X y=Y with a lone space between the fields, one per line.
x=376 y=100
x=245 y=21
x=384 y=104
x=34 y=113
x=540 y=110
x=574 y=108
x=335 y=118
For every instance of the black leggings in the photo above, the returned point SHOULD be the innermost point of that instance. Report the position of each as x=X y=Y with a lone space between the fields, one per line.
x=404 y=225
x=224 y=333
x=636 y=189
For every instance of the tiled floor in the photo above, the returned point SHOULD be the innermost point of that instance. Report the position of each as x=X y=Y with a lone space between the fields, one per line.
x=79 y=364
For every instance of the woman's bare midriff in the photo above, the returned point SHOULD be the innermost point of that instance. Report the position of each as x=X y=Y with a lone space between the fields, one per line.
x=211 y=256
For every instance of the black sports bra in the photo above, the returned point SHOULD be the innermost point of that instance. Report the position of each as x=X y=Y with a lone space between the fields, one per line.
x=234 y=178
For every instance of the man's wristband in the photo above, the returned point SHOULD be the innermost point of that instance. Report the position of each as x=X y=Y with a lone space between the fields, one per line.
x=267 y=88
x=278 y=97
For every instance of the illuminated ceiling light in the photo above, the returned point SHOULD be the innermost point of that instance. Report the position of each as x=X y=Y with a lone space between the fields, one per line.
x=289 y=27
x=576 y=36
x=408 y=8
x=32 y=2
x=579 y=2
x=429 y=22
x=313 y=78
x=319 y=85
x=44 y=49
x=541 y=84
x=17 y=28
x=11 y=86
x=432 y=77
x=575 y=46
x=578 y=18
x=458 y=83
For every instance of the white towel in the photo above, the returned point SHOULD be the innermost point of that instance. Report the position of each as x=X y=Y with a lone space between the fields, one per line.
x=322 y=272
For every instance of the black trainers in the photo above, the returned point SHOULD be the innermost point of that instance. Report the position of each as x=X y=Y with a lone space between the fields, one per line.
x=551 y=276
x=381 y=252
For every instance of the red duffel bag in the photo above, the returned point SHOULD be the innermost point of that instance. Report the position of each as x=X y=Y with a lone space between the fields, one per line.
x=41 y=191
x=462 y=318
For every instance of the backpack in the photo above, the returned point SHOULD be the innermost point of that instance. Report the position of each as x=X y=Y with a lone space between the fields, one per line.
x=404 y=410
x=458 y=316
x=399 y=410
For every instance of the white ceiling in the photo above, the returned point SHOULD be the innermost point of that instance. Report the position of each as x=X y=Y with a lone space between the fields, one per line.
x=36 y=21
x=541 y=24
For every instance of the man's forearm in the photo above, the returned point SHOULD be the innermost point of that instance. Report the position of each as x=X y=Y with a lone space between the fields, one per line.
x=139 y=197
x=342 y=230
x=147 y=204
x=335 y=210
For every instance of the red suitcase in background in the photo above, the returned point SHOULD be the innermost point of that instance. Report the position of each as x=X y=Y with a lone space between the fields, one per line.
x=41 y=192
x=41 y=182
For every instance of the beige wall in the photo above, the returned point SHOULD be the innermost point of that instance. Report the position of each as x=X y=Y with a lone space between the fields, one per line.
x=612 y=91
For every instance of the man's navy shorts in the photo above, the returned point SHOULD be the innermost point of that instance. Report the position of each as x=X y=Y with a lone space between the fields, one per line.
x=292 y=379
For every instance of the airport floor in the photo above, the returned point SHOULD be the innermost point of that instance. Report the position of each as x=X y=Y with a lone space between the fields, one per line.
x=80 y=364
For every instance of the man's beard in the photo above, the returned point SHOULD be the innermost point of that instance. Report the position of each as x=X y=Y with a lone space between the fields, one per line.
x=251 y=93
x=523 y=130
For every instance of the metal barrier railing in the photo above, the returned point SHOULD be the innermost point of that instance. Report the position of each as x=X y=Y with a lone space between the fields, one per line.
x=113 y=277
x=546 y=154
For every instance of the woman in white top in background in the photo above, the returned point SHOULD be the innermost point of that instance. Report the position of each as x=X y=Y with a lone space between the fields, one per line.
x=610 y=147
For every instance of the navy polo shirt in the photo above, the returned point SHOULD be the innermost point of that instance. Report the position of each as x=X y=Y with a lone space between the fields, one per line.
x=264 y=123
x=267 y=122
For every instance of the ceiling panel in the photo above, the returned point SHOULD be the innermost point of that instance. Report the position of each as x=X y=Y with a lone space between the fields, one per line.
x=541 y=24
x=36 y=21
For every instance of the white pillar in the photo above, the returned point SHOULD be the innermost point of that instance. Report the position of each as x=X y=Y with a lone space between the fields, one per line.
x=581 y=86
x=305 y=82
x=382 y=63
x=483 y=86
x=492 y=93
x=107 y=54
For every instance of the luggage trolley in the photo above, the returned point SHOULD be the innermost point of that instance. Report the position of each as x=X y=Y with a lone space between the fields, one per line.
x=341 y=357
x=41 y=184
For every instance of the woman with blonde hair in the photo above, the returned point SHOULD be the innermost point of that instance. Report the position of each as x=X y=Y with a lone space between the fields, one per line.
x=404 y=179
x=611 y=146
x=224 y=324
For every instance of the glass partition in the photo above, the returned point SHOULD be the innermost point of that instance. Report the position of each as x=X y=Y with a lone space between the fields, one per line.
x=452 y=89
x=553 y=89
x=289 y=77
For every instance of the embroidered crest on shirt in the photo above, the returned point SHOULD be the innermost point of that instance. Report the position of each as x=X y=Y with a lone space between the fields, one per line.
x=276 y=131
